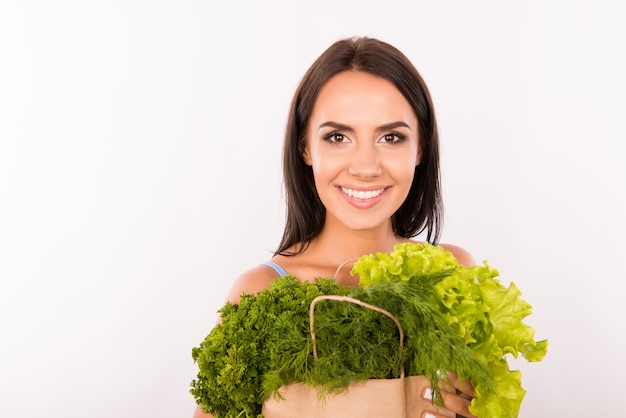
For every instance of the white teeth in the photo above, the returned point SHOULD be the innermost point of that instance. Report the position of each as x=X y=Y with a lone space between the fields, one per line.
x=360 y=194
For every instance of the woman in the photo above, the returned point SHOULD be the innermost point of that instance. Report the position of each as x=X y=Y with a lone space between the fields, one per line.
x=361 y=172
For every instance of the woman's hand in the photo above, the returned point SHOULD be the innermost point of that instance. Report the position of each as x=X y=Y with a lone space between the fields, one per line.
x=456 y=398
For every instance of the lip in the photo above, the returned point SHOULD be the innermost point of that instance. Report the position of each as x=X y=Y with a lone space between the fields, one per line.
x=363 y=197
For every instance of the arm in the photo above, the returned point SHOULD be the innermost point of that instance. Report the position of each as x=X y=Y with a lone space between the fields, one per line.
x=251 y=282
x=201 y=414
x=463 y=256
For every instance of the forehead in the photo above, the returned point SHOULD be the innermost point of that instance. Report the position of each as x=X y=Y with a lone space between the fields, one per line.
x=359 y=95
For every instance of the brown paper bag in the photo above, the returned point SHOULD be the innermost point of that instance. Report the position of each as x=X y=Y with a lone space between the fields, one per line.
x=374 y=398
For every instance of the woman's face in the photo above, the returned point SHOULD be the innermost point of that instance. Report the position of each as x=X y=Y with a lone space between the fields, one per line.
x=362 y=143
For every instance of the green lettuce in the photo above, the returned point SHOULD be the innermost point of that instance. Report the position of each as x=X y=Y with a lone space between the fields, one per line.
x=487 y=315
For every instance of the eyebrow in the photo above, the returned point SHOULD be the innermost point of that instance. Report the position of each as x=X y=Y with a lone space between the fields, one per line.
x=385 y=127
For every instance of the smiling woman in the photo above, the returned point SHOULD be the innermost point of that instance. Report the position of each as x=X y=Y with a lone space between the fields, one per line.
x=361 y=172
x=363 y=146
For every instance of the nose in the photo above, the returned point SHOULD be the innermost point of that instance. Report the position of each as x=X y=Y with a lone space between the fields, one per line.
x=365 y=162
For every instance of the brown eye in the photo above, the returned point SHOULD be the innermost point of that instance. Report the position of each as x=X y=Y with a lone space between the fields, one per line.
x=335 y=137
x=392 y=138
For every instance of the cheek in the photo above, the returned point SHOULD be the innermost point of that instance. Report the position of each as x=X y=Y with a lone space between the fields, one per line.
x=402 y=168
x=325 y=165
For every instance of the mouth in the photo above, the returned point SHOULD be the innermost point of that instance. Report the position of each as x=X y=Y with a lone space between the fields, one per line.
x=362 y=194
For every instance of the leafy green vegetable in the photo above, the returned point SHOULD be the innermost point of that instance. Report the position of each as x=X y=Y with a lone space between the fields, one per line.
x=454 y=318
x=236 y=356
x=482 y=311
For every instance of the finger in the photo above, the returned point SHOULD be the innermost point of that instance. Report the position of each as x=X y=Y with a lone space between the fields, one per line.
x=431 y=410
x=430 y=414
x=463 y=386
x=457 y=403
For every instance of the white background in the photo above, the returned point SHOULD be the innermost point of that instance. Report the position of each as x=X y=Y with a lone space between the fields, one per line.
x=140 y=173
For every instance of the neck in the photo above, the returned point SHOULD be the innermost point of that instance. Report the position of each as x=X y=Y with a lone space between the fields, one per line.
x=340 y=244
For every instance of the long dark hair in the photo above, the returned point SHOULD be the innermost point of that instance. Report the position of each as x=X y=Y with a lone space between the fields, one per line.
x=423 y=207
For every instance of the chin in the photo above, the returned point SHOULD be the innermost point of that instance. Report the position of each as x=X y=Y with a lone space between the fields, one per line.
x=367 y=226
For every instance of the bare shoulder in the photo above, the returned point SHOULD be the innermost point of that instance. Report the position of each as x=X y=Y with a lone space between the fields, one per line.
x=251 y=282
x=463 y=256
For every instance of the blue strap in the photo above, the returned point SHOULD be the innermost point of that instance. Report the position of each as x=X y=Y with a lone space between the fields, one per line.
x=277 y=268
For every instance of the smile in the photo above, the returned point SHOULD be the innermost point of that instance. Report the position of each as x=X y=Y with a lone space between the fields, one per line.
x=361 y=194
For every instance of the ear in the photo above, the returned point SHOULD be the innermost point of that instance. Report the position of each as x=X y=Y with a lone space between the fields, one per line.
x=418 y=160
x=306 y=155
